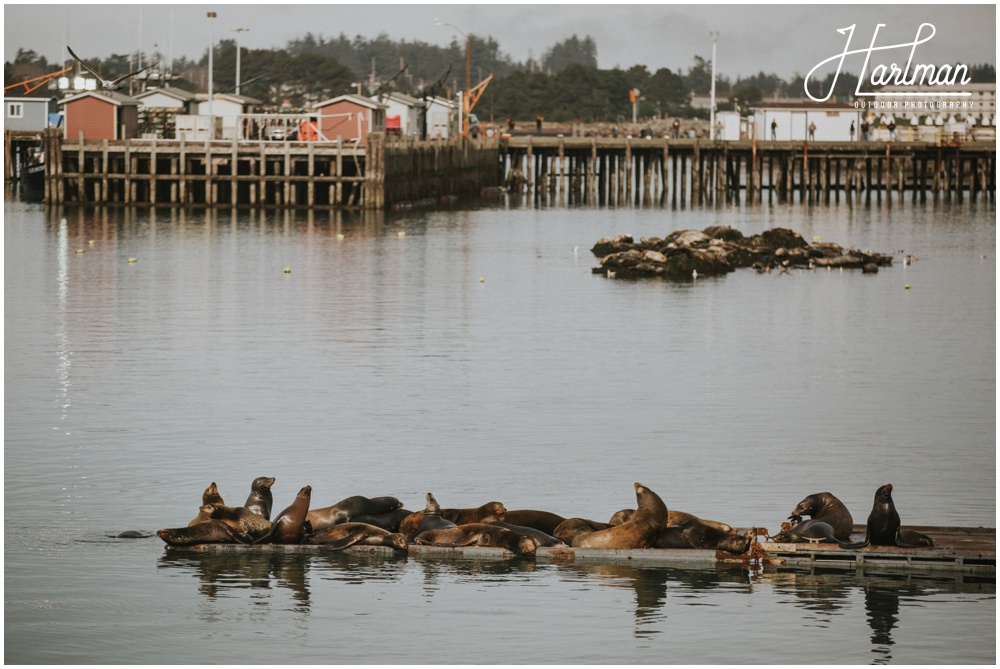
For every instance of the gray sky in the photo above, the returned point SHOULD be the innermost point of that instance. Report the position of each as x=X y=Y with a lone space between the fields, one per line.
x=783 y=39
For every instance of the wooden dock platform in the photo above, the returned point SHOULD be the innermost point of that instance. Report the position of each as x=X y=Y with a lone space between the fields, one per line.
x=956 y=550
x=633 y=171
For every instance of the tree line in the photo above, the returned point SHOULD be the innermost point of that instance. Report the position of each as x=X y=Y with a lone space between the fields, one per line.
x=564 y=84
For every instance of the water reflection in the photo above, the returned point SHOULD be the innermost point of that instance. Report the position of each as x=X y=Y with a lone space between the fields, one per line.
x=221 y=574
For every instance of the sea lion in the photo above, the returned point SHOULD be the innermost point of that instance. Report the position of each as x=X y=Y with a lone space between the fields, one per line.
x=428 y=519
x=571 y=528
x=543 y=521
x=289 y=526
x=344 y=535
x=808 y=531
x=208 y=532
x=466 y=516
x=883 y=523
x=541 y=538
x=260 y=499
x=210 y=496
x=693 y=533
x=387 y=521
x=827 y=508
x=240 y=518
x=478 y=534
x=673 y=518
x=347 y=509
x=914 y=538
x=639 y=532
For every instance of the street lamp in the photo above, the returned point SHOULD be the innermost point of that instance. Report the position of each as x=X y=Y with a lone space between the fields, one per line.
x=711 y=123
x=238 y=31
x=211 y=48
x=468 y=75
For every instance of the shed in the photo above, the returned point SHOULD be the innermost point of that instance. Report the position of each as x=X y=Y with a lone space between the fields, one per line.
x=29 y=112
x=406 y=109
x=101 y=115
x=833 y=121
x=168 y=97
x=439 y=116
x=350 y=116
x=229 y=108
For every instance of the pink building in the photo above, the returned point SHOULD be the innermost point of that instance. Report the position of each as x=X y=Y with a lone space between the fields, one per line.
x=101 y=115
x=351 y=117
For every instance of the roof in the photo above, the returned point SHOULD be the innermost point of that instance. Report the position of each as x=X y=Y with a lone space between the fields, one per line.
x=117 y=99
x=31 y=98
x=405 y=99
x=229 y=97
x=350 y=97
x=169 y=91
x=804 y=105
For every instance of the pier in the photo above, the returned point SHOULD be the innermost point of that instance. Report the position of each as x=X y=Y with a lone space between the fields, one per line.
x=385 y=172
x=632 y=171
x=278 y=174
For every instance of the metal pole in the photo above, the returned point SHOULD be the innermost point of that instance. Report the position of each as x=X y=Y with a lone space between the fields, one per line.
x=468 y=84
x=211 y=48
x=238 y=31
x=711 y=123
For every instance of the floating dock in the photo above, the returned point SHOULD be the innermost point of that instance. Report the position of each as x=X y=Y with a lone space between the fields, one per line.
x=956 y=550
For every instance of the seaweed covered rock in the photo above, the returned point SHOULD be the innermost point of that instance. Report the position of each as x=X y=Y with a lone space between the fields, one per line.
x=720 y=249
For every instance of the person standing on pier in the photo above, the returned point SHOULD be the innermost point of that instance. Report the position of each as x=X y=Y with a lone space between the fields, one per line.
x=676 y=127
x=852 y=131
x=812 y=131
x=718 y=129
x=510 y=125
x=892 y=131
x=538 y=124
x=774 y=130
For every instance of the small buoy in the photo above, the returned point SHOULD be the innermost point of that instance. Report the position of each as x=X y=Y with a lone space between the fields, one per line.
x=340 y=235
x=906 y=287
x=131 y=260
x=817 y=238
x=482 y=279
x=91 y=242
x=401 y=233
x=79 y=251
x=694 y=274
x=288 y=270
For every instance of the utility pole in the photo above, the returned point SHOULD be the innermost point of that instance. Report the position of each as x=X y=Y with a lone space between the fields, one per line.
x=211 y=48
x=238 y=31
x=711 y=123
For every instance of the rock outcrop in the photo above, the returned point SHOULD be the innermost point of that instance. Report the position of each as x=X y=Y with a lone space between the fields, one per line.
x=716 y=250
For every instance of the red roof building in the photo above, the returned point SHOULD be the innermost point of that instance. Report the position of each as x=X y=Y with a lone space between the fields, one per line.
x=101 y=115
x=351 y=117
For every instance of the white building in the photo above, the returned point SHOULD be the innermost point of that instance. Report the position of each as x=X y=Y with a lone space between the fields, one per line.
x=228 y=107
x=833 y=121
x=403 y=113
x=168 y=97
x=440 y=113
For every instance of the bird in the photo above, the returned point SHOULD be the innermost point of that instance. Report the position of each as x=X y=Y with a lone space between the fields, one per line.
x=110 y=84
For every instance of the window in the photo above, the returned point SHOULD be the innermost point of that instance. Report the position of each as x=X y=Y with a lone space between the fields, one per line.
x=15 y=110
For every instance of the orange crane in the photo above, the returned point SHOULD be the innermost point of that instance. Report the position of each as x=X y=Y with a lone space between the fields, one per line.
x=41 y=81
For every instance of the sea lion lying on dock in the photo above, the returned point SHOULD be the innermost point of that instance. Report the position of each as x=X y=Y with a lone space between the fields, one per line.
x=478 y=534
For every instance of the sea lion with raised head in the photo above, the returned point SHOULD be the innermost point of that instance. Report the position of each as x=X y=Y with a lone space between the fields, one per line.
x=344 y=535
x=348 y=509
x=883 y=524
x=290 y=525
x=210 y=496
x=825 y=507
x=648 y=521
x=240 y=518
x=478 y=534
x=260 y=499
x=428 y=519
x=208 y=532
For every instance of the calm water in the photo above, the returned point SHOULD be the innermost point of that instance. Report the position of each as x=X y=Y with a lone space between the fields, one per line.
x=471 y=353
